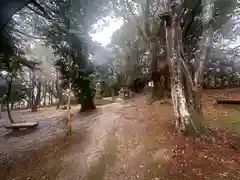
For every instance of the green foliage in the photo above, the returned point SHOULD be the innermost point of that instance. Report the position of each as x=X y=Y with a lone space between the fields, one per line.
x=18 y=92
x=13 y=62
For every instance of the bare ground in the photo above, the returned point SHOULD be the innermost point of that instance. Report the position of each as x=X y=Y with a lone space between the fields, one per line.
x=130 y=140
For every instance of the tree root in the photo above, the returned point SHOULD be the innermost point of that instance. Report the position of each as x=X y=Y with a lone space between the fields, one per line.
x=152 y=100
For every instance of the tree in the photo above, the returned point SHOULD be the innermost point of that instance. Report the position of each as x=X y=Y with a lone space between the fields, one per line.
x=189 y=32
x=131 y=54
x=12 y=62
x=72 y=46
x=186 y=86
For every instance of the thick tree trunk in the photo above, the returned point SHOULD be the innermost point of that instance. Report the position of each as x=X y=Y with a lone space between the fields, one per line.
x=183 y=108
x=87 y=102
x=38 y=98
x=186 y=93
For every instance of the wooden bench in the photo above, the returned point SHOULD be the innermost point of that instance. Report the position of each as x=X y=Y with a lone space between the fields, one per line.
x=226 y=101
x=25 y=125
x=65 y=107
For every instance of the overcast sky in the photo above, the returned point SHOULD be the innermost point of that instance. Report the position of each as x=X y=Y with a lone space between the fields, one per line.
x=104 y=35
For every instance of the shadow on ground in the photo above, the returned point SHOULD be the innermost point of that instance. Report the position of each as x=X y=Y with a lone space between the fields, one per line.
x=130 y=140
x=19 y=133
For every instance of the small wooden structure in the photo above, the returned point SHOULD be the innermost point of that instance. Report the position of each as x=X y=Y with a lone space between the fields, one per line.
x=21 y=125
x=228 y=101
x=65 y=107
x=123 y=93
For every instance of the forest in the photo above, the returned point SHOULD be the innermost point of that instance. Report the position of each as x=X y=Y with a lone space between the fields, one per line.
x=176 y=61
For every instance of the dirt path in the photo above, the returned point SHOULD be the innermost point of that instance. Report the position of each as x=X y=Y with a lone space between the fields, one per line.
x=95 y=127
x=128 y=141
x=101 y=140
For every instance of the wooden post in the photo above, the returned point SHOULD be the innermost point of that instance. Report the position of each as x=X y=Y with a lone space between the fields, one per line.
x=68 y=124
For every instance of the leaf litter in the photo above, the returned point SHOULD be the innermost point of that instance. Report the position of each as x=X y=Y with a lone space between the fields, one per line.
x=148 y=146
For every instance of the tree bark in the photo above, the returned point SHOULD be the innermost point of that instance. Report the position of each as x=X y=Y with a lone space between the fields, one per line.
x=87 y=102
x=67 y=121
x=44 y=94
x=113 y=94
x=186 y=94
x=59 y=93
x=7 y=100
x=158 y=85
x=181 y=93
x=205 y=45
x=38 y=97
x=49 y=93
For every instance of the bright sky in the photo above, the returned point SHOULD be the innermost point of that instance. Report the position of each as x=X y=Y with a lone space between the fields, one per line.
x=109 y=26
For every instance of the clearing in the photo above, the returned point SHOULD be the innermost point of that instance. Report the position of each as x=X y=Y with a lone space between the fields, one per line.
x=127 y=140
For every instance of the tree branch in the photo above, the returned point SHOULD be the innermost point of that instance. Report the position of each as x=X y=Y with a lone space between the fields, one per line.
x=157 y=8
x=193 y=14
x=38 y=6
x=27 y=35
x=137 y=20
x=183 y=62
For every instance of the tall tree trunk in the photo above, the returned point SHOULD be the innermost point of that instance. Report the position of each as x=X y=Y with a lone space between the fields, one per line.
x=49 y=93
x=205 y=45
x=167 y=83
x=154 y=63
x=51 y=98
x=158 y=89
x=12 y=104
x=186 y=94
x=44 y=94
x=113 y=94
x=32 y=74
x=87 y=102
x=8 y=98
x=68 y=126
x=179 y=90
x=59 y=93
x=38 y=98
x=183 y=121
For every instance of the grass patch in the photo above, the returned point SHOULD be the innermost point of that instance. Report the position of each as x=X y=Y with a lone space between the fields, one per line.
x=103 y=101
x=229 y=117
x=107 y=159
